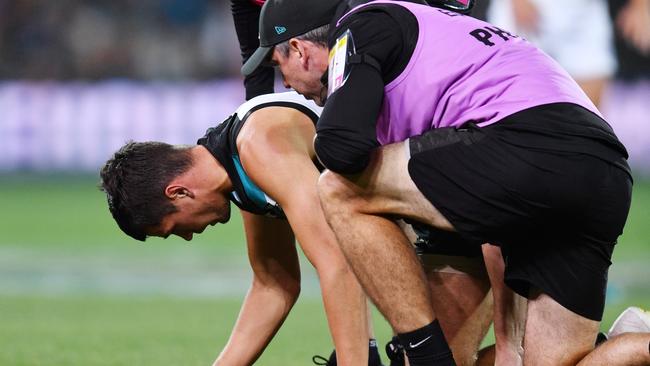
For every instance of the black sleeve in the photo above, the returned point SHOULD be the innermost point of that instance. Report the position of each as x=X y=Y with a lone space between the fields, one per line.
x=246 y=17
x=346 y=131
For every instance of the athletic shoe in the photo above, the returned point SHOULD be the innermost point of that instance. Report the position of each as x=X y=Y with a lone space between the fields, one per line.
x=633 y=319
x=395 y=352
x=374 y=359
x=320 y=360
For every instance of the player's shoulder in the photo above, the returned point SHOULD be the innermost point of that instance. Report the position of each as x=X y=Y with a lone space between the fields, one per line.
x=266 y=127
x=290 y=100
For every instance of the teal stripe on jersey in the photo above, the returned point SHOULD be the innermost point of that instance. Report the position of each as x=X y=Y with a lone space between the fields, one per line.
x=252 y=190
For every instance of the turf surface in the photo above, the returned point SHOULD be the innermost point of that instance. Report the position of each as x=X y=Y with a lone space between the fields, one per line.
x=75 y=291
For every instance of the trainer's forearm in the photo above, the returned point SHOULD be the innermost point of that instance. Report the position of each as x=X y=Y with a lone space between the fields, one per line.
x=261 y=315
x=345 y=305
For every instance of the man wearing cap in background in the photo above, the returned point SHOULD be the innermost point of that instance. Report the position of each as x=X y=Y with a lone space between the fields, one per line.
x=246 y=15
x=512 y=152
x=450 y=269
x=459 y=268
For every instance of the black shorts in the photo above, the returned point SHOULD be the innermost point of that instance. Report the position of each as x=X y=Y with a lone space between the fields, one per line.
x=550 y=185
x=440 y=242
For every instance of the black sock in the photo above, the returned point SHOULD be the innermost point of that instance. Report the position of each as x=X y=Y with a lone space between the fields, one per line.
x=427 y=346
x=373 y=353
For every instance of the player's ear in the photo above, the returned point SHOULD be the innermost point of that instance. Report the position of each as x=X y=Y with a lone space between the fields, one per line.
x=298 y=47
x=176 y=191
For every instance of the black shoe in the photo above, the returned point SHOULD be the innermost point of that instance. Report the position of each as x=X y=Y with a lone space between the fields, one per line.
x=320 y=360
x=374 y=359
x=395 y=352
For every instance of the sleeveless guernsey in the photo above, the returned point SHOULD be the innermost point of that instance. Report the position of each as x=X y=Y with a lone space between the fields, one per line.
x=221 y=142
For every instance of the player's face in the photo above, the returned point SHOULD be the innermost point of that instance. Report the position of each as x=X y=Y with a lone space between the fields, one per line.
x=303 y=68
x=193 y=216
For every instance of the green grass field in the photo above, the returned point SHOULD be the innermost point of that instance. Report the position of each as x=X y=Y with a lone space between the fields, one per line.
x=75 y=291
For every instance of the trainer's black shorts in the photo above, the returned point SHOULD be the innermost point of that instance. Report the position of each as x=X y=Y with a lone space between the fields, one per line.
x=550 y=185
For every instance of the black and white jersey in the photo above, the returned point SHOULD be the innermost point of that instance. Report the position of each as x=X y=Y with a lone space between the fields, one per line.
x=221 y=142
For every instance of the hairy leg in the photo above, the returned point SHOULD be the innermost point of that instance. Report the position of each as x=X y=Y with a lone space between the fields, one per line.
x=466 y=331
x=386 y=266
x=360 y=210
x=465 y=315
x=627 y=349
x=509 y=311
x=462 y=301
x=461 y=297
x=554 y=335
x=463 y=305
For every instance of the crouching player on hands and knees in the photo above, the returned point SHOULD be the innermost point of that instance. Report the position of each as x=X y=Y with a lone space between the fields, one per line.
x=262 y=159
x=448 y=121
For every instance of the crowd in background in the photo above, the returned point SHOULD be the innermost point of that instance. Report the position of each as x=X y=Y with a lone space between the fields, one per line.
x=187 y=54
x=135 y=39
x=148 y=39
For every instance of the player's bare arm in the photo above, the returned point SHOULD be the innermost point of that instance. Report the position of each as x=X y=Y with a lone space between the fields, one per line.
x=274 y=290
x=276 y=150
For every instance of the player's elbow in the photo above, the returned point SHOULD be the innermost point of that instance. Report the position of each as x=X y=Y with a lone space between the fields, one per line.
x=292 y=292
x=278 y=284
x=291 y=289
x=341 y=156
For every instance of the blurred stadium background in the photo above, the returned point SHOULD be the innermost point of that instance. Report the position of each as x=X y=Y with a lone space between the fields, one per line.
x=80 y=78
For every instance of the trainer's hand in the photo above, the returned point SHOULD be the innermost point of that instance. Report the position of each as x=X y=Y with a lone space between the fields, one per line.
x=634 y=23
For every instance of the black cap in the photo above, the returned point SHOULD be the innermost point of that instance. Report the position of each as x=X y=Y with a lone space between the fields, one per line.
x=281 y=20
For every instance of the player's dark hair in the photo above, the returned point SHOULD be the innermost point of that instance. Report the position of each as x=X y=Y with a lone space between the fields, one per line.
x=318 y=36
x=134 y=181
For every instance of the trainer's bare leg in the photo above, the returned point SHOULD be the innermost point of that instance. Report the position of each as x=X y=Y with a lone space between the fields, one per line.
x=509 y=311
x=627 y=349
x=387 y=267
x=463 y=305
x=462 y=301
x=361 y=210
x=554 y=335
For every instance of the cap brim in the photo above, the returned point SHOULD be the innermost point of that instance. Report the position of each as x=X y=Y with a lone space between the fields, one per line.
x=255 y=60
